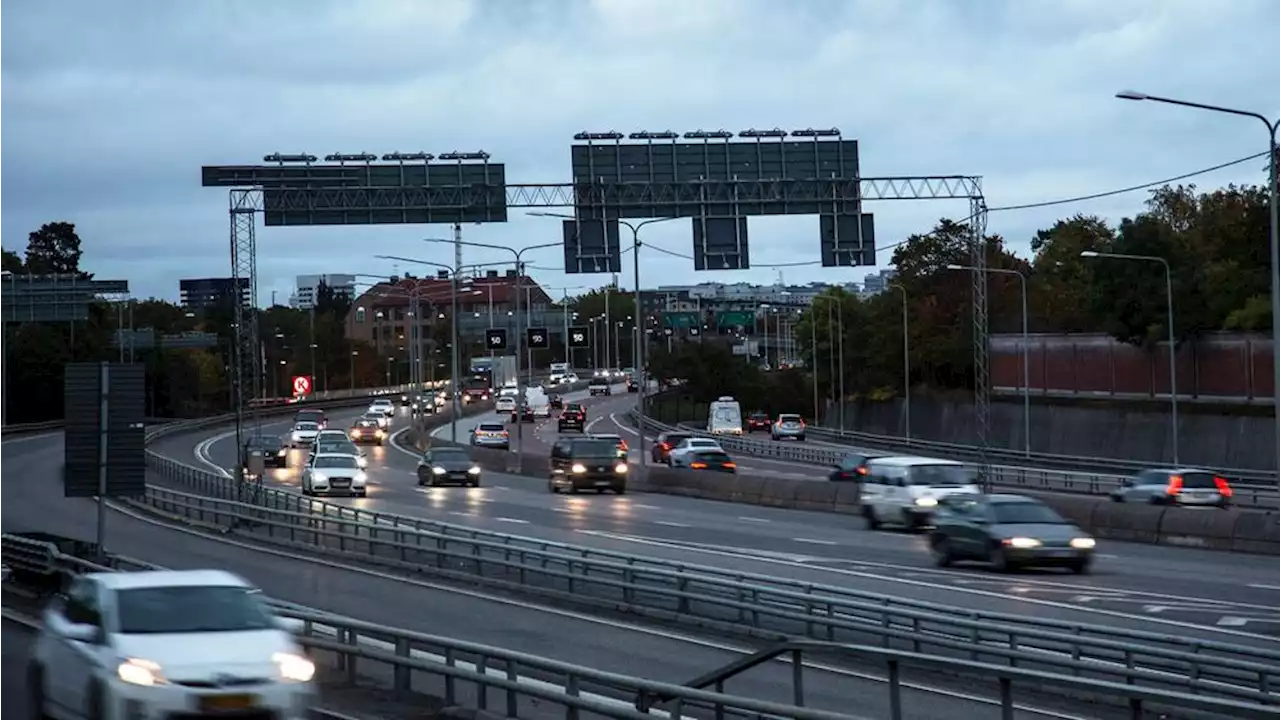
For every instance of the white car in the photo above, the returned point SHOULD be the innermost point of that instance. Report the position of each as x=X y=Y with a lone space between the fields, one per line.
x=330 y=436
x=905 y=490
x=679 y=455
x=570 y=379
x=505 y=404
x=187 y=643
x=332 y=473
x=384 y=406
x=303 y=434
x=382 y=420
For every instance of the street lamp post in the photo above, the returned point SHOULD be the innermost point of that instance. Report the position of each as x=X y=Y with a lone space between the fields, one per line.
x=813 y=331
x=1173 y=364
x=1026 y=351
x=1274 y=202
x=519 y=331
x=906 y=365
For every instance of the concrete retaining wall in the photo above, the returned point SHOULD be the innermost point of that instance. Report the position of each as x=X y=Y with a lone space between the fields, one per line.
x=1208 y=439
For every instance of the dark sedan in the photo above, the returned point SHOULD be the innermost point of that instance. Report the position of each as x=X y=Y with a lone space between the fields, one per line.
x=1007 y=532
x=711 y=461
x=451 y=465
x=851 y=467
x=759 y=421
x=555 y=402
x=274 y=451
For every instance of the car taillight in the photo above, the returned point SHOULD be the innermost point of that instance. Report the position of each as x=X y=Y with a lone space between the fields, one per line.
x=1224 y=488
x=698 y=465
x=862 y=470
x=666 y=446
x=728 y=465
x=505 y=434
x=622 y=444
x=1175 y=485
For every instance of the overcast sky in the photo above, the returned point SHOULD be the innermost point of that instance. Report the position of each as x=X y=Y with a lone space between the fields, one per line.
x=110 y=109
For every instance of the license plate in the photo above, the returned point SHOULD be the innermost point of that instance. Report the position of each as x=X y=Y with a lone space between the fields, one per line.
x=602 y=483
x=1060 y=553
x=224 y=703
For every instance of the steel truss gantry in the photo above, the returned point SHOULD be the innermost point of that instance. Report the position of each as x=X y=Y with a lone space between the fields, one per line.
x=777 y=194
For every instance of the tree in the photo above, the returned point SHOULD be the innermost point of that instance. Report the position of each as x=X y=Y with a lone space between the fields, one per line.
x=1062 y=286
x=54 y=248
x=13 y=263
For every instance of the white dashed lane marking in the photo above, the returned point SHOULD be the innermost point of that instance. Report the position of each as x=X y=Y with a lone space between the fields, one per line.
x=745 y=518
x=517 y=521
x=668 y=523
x=814 y=542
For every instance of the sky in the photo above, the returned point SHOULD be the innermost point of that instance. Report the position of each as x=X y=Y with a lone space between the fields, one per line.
x=110 y=109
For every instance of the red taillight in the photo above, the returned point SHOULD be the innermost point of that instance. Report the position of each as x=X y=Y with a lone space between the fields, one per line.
x=1175 y=485
x=666 y=446
x=622 y=444
x=728 y=465
x=1224 y=488
x=862 y=470
x=697 y=465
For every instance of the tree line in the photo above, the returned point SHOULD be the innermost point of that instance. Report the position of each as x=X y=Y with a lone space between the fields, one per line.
x=1216 y=245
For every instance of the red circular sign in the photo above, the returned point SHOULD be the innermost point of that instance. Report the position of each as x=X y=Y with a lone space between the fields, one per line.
x=301 y=385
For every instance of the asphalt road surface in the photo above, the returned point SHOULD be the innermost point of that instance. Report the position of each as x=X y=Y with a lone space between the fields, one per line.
x=14 y=651
x=32 y=500
x=1208 y=594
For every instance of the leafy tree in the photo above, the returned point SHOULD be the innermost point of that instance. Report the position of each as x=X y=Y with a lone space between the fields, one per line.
x=54 y=248
x=13 y=263
x=1062 y=286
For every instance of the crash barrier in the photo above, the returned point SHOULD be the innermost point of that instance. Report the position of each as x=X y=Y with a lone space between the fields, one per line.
x=1246 y=494
x=740 y=603
x=475 y=674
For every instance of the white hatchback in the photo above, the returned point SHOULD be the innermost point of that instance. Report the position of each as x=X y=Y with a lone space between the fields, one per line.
x=166 y=644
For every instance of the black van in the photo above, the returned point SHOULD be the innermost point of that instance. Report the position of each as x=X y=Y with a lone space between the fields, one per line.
x=587 y=464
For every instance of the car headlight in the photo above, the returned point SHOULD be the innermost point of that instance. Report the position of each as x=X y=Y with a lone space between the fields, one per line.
x=620 y=468
x=579 y=468
x=475 y=470
x=283 y=452
x=362 y=462
x=136 y=671
x=297 y=436
x=1023 y=543
x=438 y=470
x=380 y=434
x=926 y=501
x=360 y=478
x=1083 y=543
x=294 y=668
x=319 y=477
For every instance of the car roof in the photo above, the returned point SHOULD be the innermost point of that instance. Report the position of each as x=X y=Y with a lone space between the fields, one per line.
x=168 y=578
x=912 y=460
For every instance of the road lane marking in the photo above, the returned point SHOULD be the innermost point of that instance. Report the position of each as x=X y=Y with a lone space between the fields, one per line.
x=517 y=521
x=812 y=541
x=747 y=518
x=669 y=523
x=573 y=615
x=1264 y=586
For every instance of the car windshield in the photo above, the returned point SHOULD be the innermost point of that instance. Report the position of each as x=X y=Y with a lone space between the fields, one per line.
x=789 y=418
x=190 y=609
x=595 y=449
x=307 y=427
x=698 y=443
x=371 y=418
x=573 y=408
x=381 y=403
x=366 y=424
x=1199 y=481
x=450 y=456
x=335 y=461
x=1015 y=513
x=615 y=439
x=309 y=416
x=675 y=439
x=491 y=427
x=940 y=475
x=265 y=443
x=759 y=416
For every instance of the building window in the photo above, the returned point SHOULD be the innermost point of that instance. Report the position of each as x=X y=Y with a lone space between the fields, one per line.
x=360 y=315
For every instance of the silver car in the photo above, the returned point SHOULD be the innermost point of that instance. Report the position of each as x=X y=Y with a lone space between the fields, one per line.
x=1177 y=486
x=491 y=435
x=788 y=426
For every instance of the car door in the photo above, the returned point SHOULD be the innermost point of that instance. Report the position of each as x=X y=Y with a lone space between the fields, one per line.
x=961 y=526
x=872 y=487
x=424 y=465
x=77 y=661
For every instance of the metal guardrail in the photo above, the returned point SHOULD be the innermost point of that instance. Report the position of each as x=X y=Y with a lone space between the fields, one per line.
x=1008 y=476
x=757 y=605
x=512 y=676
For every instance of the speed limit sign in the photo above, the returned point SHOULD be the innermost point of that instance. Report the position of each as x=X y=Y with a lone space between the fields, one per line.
x=301 y=385
x=496 y=338
x=538 y=338
x=578 y=337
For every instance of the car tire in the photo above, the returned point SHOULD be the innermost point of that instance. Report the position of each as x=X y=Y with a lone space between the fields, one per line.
x=361 y=494
x=96 y=702
x=1000 y=561
x=35 y=691
x=474 y=483
x=620 y=490
x=800 y=438
x=1082 y=567
x=869 y=514
x=940 y=548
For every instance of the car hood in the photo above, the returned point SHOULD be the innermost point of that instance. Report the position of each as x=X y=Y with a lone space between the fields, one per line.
x=200 y=656
x=306 y=433
x=454 y=465
x=337 y=472
x=1039 y=531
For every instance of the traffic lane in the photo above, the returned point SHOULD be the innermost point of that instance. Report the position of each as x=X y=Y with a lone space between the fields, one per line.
x=16 y=642
x=540 y=438
x=420 y=606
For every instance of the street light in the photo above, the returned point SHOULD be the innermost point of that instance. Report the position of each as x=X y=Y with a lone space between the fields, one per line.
x=1026 y=350
x=1173 y=365
x=519 y=331
x=906 y=364
x=1274 y=202
x=813 y=332
x=638 y=344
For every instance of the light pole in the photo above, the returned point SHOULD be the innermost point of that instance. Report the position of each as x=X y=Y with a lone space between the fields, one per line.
x=352 y=377
x=519 y=331
x=906 y=364
x=1026 y=351
x=813 y=332
x=1274 y=202
x=1173 y=364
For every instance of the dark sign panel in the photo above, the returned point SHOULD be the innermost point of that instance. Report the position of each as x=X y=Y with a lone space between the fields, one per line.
x=695 y=162
x=538 y=338
x=578 y=337
x=495 y=338
x=847 y=240
x=591 y=246
x=125 y=433
x=720 y=244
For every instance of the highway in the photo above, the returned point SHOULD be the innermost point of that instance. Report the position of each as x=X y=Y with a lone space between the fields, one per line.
x=15 y=649
x=32 y=499
x=1229 y=597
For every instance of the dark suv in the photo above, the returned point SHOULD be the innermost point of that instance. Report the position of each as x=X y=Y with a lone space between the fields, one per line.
x=573 y=417
x=759 y=421
x=587 y=464
x=661 y=452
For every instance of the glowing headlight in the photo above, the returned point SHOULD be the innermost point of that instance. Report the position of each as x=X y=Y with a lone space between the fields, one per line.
x=362 y=462
x=926 y=501
x=360 y=478
x=1023 y=543
x=139 y=672
x=1083 y=543
x=579 y=468
x=380 y=434
x=283 y=452
x=475 y=470
x=620 y=468
x=297 y=436
x=438 y=470
x=294 y=668
x=319 y=477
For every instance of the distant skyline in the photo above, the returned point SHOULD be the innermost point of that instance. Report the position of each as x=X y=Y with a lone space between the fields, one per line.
x=110 y=131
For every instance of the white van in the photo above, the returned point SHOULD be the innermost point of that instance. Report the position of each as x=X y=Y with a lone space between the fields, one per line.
x=538 y=401
x=558 y=372
x=724 y=417
x=905 y=490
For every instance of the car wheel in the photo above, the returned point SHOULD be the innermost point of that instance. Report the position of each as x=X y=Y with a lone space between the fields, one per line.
x=1081 y=567
x=620 y=490
x=553 y=488
x=941 y=550
x=800 y=438
x=97 y=703
x=35 y=691
x=869 y=514
x=1000 y=561
x=362 y=493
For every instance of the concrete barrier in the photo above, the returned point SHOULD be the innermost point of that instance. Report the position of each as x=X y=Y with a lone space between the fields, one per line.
x=1204 y=527
x=1257 y=532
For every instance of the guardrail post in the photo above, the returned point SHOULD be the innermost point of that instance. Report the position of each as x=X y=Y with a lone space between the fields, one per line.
x=513 y=676
x=401 y=680
x=571 y=689
x=450 y=690
x=1006 y=698
x=482 y=687
x=895 y=691
x=797 y=678
x=352 y=639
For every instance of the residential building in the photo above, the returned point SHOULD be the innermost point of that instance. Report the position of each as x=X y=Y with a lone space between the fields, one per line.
x=380 y=315
x=878 y=282
x=204 y=293
x=304 y=294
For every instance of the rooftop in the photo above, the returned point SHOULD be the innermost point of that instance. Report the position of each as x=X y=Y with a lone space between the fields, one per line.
x=436 y=290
